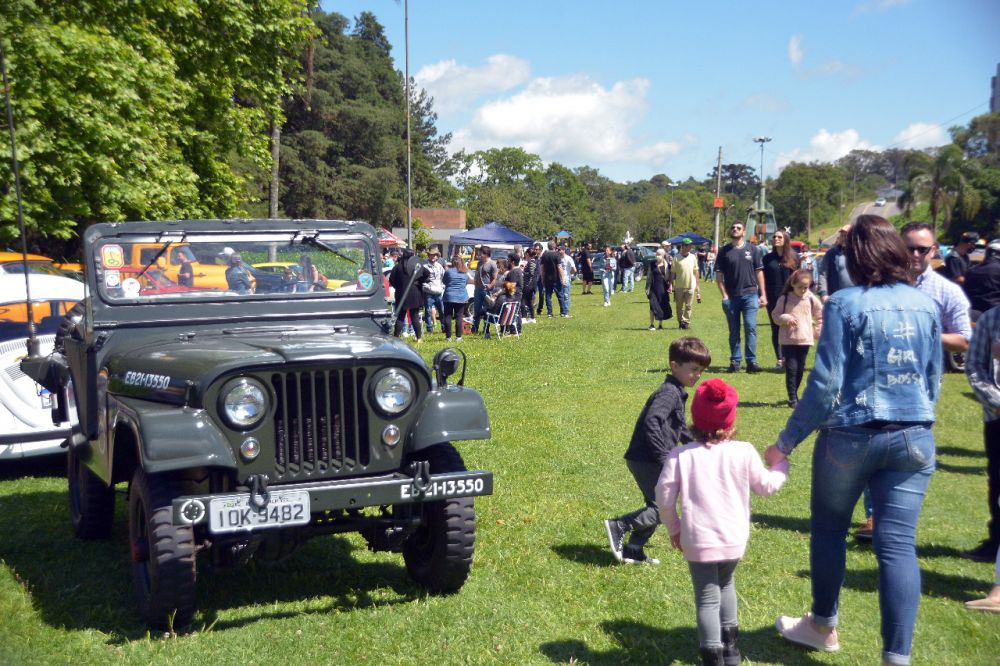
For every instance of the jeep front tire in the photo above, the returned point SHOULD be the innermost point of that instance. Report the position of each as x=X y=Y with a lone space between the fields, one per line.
x=163 y=555
x=91 y=503
x=438 y=555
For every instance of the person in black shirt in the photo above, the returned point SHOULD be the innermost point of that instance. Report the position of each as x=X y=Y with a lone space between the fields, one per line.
x=407 y=277
x=552 y=278
x=982 y=282
x=660 y=427
x=779 y=264
x=956 y=264
x=740 y=276
x=185 y=276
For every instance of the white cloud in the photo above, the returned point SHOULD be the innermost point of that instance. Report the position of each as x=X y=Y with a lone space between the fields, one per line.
x=921 y=135
x=795 y=52
x=568 y=119
x=826 y=146
x=453 y=86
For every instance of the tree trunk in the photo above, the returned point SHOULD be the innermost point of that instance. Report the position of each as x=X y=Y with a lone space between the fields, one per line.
x=275 y=153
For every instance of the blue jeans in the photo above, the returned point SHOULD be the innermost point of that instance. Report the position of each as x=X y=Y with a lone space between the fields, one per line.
x=628 y=279
x=478 y=307
x=897 y=466
x=745 y=306
x=608 y=285
x=565 y=298
x=560 y=295
x=432 y=301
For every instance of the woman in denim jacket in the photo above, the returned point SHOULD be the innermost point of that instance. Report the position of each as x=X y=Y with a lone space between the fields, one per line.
x=871 y=395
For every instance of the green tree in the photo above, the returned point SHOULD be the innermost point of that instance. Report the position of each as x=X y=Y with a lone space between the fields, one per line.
x=739 y=180
x=143 y=109
x=344 y=144
x=940 y=179
x=804 y=192
x=981 y=139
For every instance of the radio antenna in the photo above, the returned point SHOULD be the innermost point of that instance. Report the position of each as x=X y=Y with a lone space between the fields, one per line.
x=32 y=343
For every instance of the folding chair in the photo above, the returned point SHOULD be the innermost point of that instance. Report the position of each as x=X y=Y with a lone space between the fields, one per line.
x=508 y=319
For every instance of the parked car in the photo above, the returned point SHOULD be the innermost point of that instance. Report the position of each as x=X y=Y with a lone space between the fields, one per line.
x=12 y=263
x=247 y=423
x=26 y=427
x=880 y=201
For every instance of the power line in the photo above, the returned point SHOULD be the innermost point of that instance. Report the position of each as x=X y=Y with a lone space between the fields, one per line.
x=941 y=124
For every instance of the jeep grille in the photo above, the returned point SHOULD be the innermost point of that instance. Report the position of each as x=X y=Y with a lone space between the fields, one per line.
x=321 y=423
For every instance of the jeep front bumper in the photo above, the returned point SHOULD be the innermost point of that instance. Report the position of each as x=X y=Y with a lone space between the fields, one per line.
x=340 y=494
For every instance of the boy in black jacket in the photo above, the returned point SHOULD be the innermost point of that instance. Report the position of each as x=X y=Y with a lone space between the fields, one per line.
x=660 y=427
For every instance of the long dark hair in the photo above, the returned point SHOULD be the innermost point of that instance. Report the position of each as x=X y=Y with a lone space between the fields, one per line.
x=789 y=257
x=875 y=253
x=793 y=278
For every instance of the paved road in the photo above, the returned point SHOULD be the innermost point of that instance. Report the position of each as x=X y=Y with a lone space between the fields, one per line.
x=868 y=207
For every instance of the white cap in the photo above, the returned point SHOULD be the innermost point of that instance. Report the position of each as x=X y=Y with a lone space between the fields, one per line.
x=227 y=251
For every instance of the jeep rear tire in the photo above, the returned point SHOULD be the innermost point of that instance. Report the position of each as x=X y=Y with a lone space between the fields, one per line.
x=438 y=555
x=91 y=503
x=163 y=555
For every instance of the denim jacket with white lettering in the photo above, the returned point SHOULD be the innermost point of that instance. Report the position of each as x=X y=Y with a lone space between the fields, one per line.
x=878 y=359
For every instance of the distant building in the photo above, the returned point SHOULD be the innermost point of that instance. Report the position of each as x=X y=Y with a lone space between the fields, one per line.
x=995 y=97
x=440 y=223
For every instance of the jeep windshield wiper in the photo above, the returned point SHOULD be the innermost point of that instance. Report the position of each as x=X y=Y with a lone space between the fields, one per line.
x=166 y=246
x=316 y=242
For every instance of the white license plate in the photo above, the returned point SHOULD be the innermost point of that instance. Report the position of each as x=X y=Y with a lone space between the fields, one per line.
x=235 y=513
x=444 y=489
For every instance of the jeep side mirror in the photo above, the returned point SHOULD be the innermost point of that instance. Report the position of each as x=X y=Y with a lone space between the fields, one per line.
x=446 y=364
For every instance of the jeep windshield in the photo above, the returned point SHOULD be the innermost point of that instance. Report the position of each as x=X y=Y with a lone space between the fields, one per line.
x=231 y=266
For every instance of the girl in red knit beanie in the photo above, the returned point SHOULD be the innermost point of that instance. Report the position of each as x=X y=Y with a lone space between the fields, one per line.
x=711 y=478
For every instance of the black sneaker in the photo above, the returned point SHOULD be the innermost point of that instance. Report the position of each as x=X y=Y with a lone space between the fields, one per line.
x=753 y=368
x=635 y=555
x=616 y=537
x=733 y=367
x=984 y=552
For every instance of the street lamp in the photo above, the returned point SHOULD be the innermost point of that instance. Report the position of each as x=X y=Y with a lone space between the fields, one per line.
x=761 y=140
x=670 y=229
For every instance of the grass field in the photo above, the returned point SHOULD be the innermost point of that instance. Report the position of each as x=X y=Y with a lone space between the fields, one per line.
x=544 y=588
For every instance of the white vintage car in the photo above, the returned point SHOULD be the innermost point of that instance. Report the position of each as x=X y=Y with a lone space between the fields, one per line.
x=26 y=427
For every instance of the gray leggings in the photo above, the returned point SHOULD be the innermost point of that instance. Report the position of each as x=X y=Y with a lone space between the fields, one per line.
x=714 y=599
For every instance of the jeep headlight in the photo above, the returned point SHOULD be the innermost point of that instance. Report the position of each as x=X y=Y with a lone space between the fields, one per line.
x=243 y=402
x=392 y=392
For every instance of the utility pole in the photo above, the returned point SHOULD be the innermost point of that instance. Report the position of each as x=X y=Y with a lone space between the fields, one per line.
x=718 y=193
x=670 y=228
x=409 y=185
x=809 y=219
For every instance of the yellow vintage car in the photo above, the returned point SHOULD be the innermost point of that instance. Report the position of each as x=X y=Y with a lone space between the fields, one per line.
x=206 y=276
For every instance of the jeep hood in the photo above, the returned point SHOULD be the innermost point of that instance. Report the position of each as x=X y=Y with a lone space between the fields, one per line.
x=162 y=368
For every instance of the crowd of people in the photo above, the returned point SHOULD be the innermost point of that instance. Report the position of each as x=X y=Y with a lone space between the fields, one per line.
x=883 y=319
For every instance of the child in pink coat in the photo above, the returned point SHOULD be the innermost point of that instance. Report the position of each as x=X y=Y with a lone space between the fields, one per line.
x=799 y=317
x=711 y=478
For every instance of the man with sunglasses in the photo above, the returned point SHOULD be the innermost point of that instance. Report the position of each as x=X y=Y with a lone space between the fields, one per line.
x=740 y=277
x=956 y=331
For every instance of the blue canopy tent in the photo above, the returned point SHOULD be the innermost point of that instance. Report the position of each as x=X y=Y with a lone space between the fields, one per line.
x=563 y=234
x=489 y=234
x=697 y=239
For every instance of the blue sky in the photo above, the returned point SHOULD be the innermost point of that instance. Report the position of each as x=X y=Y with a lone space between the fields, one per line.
x=639 y=87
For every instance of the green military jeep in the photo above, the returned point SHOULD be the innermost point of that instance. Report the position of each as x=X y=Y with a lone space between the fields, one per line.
x=247 y=422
